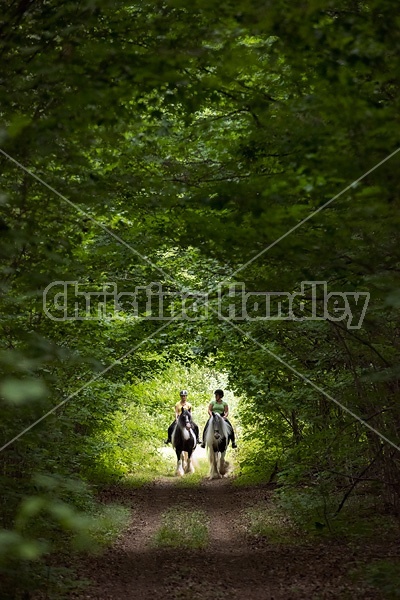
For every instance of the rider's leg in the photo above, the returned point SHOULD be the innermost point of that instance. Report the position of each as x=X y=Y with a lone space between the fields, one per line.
x=203 y=445
x=232 y=434
x=170 y=432
x=196 y=432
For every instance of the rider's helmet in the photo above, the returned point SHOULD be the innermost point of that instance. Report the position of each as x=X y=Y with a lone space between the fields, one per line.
x=183 y=393
x=220 y=393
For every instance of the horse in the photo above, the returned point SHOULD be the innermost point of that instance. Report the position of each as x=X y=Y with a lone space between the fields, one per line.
x=217 y=440
x=184 y=442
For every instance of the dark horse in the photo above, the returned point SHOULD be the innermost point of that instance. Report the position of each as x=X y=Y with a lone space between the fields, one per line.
x=217 y=440
x=184 y=441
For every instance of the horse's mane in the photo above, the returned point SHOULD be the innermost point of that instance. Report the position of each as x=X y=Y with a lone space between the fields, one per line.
x=222 y=426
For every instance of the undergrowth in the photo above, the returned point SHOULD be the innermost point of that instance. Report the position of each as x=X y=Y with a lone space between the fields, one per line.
x=385 y=576
x=272 y=523
x=315 y=512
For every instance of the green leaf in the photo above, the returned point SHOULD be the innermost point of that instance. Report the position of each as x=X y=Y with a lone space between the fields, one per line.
x=21 y=391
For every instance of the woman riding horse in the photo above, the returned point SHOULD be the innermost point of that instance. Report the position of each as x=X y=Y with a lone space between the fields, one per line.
x=184 y=442
x=221 y=407
x=179 y=406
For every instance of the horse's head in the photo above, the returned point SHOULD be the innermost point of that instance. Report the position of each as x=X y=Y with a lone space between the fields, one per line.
x=185 y=419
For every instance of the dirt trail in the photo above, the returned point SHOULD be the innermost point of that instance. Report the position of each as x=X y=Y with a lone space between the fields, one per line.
x=235 y=565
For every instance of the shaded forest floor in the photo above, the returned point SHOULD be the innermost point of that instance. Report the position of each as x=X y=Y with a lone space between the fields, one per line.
x=234 y=564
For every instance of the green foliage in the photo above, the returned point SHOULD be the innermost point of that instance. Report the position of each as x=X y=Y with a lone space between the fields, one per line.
x=45 y=525
x=314 y=510
x=181 y=528
x=16 y=392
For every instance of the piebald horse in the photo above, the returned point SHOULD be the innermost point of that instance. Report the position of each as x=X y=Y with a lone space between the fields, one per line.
x=217 y=440
x=184 y=441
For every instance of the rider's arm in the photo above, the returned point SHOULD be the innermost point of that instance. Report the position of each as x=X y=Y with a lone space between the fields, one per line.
x=226 y=411
x=210 y=407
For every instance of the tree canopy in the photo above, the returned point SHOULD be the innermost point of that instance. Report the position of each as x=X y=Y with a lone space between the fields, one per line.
x=197 y=147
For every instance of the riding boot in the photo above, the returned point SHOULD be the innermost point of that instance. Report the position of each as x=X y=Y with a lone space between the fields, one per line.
x=232 y=434
x=196 y=433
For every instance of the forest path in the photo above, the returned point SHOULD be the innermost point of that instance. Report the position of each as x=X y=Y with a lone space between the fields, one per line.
x=234 y=565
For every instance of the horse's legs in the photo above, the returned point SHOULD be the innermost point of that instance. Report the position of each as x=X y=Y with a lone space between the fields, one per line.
x=189 y=465
x=179 y=468
x=184 y=460
x=223 y=465
x=214 y=473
